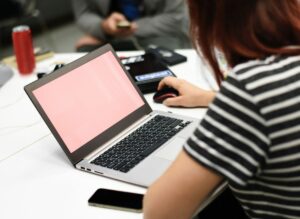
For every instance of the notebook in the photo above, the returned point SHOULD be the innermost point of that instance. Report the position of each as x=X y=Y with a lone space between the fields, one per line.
x=102 y=122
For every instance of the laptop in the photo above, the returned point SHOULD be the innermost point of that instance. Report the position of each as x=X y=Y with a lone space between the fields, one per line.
x=102 y=122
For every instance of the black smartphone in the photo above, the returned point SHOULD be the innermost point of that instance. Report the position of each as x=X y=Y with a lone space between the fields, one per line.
x=118 y=200
x=167 y=56
x=147 y=71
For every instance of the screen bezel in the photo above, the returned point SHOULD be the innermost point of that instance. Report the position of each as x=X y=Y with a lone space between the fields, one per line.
x=102 y=138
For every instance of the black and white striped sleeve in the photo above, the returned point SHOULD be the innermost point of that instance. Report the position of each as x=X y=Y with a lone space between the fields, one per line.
x=232 y=138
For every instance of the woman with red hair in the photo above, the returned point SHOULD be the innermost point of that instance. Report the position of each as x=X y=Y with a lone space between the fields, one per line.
x=250 y=136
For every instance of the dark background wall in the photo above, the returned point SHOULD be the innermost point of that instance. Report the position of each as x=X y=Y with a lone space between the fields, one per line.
x=48 y=14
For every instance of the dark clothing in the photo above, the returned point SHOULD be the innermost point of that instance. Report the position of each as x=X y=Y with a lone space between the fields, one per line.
x=224 y=206
x=132 y=9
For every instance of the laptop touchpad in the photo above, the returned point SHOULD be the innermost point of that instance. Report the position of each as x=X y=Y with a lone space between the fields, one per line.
x=171 y=150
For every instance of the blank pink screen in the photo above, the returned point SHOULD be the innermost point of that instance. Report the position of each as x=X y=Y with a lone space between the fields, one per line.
x=88 y=100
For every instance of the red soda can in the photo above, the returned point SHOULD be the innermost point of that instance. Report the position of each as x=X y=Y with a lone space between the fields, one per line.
x=22 y=42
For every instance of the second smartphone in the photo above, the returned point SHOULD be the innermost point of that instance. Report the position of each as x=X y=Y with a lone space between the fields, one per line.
x=117 y=200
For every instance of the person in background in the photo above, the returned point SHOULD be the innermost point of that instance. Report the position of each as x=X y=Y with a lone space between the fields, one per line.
x=159 y=22
x=250 y=136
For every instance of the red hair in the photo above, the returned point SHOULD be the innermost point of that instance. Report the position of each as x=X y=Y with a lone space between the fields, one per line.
x=244 y=30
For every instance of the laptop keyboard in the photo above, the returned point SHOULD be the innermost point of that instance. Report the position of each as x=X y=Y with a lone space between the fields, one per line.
x=127 y=153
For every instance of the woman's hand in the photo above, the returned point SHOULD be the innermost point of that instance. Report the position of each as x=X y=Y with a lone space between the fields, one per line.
x=189 y=94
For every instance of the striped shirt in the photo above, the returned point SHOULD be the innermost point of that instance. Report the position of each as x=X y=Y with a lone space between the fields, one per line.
x=251 y=136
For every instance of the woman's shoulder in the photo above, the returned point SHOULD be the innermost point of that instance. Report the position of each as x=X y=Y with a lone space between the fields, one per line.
x=259 y=68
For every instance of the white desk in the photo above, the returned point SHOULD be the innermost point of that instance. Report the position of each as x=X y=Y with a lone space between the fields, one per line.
x=36 y=178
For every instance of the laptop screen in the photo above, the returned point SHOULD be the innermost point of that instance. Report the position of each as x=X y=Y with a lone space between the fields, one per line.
x=88 y=100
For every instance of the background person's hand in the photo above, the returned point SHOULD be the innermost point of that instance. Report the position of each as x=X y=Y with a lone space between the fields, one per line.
x=189 y=94
x=109 y=26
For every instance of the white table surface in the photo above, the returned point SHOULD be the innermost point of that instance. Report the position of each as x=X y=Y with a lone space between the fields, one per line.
x=36 y=178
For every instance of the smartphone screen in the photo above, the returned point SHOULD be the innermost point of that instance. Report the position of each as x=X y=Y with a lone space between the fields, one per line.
x=124 y=24
x=117 y=200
